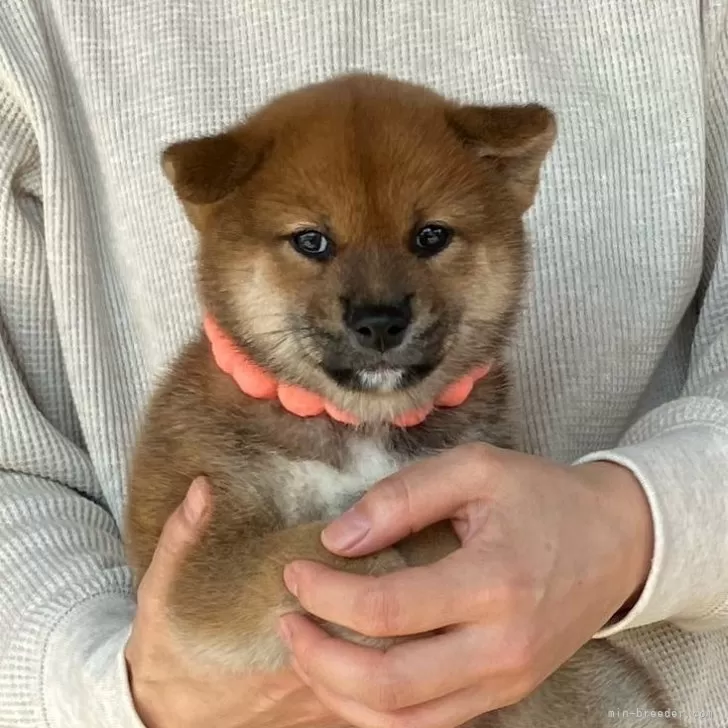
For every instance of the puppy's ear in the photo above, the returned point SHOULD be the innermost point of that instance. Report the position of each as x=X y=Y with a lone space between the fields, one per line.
x=516 y=138
x=207 y=169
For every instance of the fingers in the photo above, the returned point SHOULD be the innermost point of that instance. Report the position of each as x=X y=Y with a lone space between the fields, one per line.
x=180 y=533
x=406 y=675
x=403 y=603
x=427 y=492
x=449 y=712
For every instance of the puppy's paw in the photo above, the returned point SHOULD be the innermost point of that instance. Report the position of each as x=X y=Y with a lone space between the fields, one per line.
x=379 y=564
x=383 y=562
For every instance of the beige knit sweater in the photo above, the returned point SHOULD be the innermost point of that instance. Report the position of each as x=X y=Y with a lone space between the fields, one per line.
x=623 y=351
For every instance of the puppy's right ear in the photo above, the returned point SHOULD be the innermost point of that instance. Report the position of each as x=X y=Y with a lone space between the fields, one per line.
x=207 y=169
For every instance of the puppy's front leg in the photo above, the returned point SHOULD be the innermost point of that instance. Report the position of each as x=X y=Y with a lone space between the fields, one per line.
x=230 y=592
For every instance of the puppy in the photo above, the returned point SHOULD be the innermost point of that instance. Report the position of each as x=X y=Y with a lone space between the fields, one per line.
x=362 y=257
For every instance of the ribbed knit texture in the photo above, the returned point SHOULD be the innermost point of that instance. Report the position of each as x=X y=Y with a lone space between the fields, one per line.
x=623 y=350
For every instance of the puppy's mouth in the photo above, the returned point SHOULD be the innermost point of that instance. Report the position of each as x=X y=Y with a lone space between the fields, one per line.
x=360 y=369
x=380 y=378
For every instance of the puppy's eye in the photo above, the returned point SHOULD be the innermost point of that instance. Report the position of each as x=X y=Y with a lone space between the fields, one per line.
x=430 y=240
x=313 y=244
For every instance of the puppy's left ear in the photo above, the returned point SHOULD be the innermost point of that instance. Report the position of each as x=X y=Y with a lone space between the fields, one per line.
x=516 y=138
x=207 y=169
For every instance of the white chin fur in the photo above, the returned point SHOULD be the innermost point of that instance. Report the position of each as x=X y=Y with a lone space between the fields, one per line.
x=383 y=379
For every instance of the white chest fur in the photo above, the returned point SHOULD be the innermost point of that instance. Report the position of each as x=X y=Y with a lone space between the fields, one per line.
x=314 y=490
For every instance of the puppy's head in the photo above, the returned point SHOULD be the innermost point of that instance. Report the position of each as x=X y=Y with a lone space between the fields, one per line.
x=363 y=237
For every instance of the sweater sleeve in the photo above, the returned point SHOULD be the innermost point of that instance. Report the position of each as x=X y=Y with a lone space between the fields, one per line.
x=679 y=451
x=65 y=592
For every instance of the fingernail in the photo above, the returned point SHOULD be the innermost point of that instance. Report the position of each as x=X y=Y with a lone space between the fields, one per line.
x=290 y=578
x=194 y=505
x=285 y=632
x=346 y=531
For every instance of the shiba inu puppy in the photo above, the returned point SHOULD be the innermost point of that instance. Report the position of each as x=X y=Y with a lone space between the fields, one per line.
x=362 y=257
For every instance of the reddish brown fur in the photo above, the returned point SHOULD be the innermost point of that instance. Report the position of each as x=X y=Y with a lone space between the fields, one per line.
x=365 y=159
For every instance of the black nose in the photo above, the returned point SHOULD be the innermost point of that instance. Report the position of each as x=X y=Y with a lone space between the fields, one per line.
x=379 y=327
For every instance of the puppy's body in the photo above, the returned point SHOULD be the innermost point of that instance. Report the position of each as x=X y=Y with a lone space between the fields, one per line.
x=277 y=478
x=419 y=205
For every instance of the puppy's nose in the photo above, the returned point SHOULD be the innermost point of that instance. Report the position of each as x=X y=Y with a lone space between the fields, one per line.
x=379 y=327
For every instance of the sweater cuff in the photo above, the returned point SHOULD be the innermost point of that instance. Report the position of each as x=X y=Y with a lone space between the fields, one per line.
x=85 y=680
x=683 y=474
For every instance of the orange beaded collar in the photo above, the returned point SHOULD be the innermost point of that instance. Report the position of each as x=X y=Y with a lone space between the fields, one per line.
x=260 y=384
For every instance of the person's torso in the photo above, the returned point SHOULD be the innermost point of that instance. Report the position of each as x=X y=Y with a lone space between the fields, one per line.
x=617 y=228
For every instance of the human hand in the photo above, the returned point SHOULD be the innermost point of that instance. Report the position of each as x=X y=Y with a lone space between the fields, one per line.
x=549 y=554
x=171 y=691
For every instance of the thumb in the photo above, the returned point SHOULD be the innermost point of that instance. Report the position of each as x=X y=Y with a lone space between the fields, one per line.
x=419 y=495
x=181 y=531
